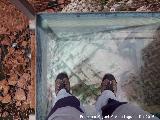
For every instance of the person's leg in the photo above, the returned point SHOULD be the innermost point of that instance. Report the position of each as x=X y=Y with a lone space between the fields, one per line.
x=108 y=106
x=103 y=100
x=63 y=96
x=107 y=101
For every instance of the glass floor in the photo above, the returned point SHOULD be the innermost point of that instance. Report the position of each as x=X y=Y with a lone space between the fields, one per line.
x=88 y=45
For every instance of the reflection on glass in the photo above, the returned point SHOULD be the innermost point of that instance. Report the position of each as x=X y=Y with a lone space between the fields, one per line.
x=87 y=46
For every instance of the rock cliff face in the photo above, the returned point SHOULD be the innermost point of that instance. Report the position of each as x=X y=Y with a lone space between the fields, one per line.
x=144 y=86
x=150 y=72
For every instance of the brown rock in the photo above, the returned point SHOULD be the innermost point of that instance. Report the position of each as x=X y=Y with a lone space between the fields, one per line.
x=5 y=90
x=119 y=7
x=1 y=98
x=143 y=8
x=106 y=9
x=5 y=114
x=130 y=2
x=20 y=59
x=6 y=99
x=11 y=50
x=22 y=83
x=24 y=43
x=1 y=88
x=24 y=106
x=13 y=79
x=5 y=41
x=13 y=82
x=20 y=95
x=26 y=76
x=0 y=52
x=3 y=82
x=18 y=103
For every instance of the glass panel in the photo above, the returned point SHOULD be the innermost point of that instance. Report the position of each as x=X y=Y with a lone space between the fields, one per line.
x=86 y=46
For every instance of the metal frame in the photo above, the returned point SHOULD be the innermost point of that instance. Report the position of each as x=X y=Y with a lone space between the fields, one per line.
x=25 y=7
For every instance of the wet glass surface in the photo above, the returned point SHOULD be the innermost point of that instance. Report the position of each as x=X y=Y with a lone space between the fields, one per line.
x=86 y=46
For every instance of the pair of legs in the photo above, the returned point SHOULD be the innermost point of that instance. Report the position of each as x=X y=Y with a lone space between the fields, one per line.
x=64 y=97
x=68 y=107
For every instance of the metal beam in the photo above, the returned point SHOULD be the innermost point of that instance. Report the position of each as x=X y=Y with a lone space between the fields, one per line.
x=25 y=7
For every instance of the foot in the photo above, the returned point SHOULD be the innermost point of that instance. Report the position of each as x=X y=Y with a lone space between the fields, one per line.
x=109 y=83
x=62 y=82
